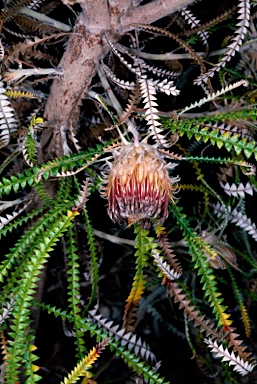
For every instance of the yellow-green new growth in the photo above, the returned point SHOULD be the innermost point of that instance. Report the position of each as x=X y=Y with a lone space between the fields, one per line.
x=82 y=368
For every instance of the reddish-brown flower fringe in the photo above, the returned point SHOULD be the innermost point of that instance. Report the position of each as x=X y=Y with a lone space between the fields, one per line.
x=138 y=186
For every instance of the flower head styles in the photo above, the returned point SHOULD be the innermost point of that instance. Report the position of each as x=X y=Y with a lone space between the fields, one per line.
x=139 y=187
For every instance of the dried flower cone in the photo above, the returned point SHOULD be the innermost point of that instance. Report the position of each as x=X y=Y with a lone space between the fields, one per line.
x=138 y=186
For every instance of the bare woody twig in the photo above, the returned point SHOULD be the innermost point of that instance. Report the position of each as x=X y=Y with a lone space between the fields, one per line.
x=152 y=12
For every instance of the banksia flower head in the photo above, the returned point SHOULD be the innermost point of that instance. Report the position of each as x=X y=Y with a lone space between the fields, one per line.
x=139 y=187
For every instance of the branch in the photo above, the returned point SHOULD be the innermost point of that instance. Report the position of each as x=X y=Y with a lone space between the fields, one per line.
x=84 y=50
x=86 y=47
x=151 y=12
x=45 y=19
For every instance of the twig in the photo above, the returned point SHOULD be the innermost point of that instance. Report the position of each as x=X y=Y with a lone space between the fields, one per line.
x=114 y=239
x=151 y=12
x=45 y=19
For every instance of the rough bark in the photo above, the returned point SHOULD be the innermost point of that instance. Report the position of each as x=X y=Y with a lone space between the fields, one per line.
x=86 y=47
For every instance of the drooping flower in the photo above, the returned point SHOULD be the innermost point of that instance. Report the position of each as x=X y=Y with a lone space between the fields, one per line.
x=139 y=187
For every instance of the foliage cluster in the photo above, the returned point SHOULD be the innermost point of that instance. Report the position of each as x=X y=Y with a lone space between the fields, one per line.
x=81 y=294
